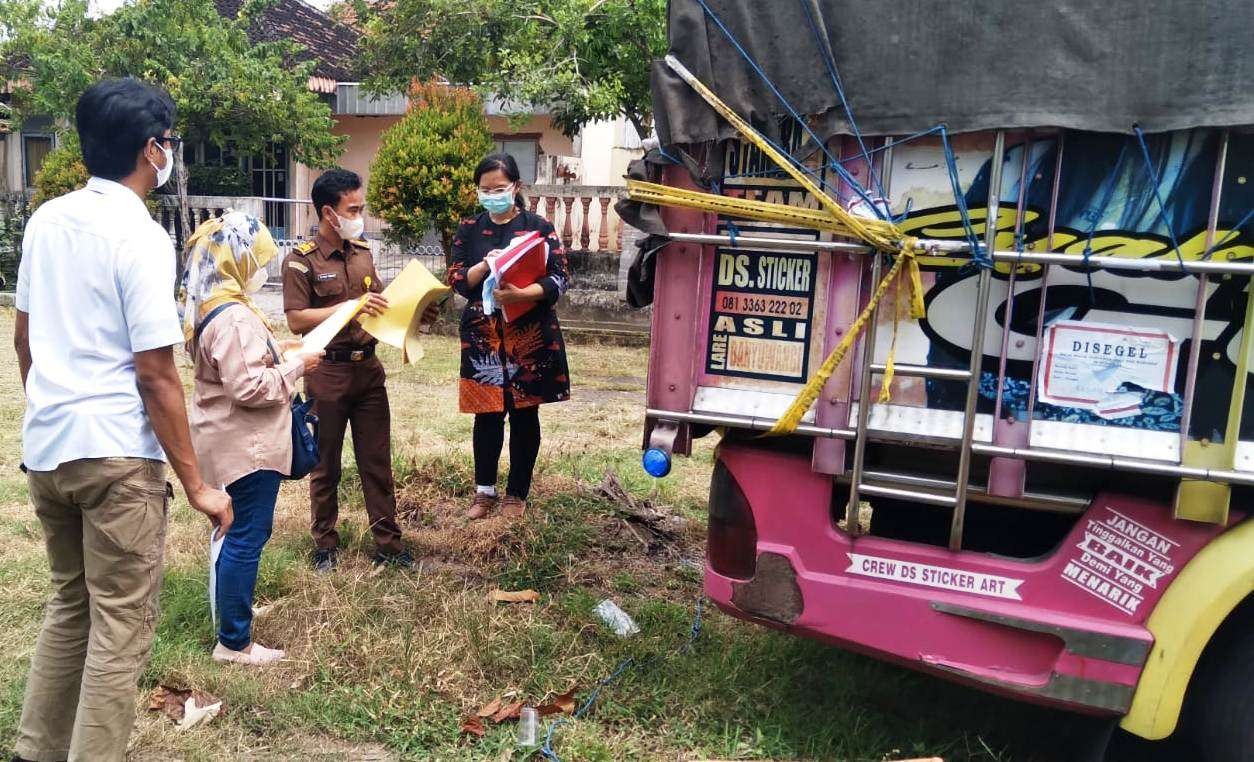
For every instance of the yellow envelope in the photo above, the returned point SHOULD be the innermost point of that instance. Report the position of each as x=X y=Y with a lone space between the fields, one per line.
x=408 y=295
x=317 y=339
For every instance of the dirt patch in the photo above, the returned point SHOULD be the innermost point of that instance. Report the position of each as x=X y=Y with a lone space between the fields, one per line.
x=623 y=536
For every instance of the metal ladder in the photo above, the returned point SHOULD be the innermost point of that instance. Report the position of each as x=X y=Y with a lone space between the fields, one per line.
x=958 y=499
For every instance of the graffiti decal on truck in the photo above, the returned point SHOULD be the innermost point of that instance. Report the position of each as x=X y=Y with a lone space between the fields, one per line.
x=760 y=316
x=1119 y=558
x=941 y=577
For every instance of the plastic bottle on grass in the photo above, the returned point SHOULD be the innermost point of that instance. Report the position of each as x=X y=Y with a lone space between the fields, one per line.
x=528 y=723
x=618 y=620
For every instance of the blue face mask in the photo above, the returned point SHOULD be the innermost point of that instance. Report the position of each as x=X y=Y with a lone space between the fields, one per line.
x=497 y=203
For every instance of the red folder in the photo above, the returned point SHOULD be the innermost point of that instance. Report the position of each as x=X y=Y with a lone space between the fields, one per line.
x=522 y=263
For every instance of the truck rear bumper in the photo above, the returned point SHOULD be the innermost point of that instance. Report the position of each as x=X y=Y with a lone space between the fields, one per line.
x=1066 y=630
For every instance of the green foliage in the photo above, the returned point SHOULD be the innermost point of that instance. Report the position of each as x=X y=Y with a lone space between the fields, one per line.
x=229 y=92
x=62 y=172
x=423 y=175
x=583 y=60
x=217 y=181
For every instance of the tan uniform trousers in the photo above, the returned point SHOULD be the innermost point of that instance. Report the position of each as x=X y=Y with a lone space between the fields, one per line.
x=104 y=523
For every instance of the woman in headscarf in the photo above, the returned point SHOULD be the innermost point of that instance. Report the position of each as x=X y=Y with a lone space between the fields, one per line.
x=241 y=418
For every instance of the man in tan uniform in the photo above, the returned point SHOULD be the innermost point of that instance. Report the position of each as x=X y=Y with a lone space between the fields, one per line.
x=349 y=386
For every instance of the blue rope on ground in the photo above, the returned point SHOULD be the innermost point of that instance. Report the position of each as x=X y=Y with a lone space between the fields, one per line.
x=1162 y=208
x=694 y=632
x=834 y=74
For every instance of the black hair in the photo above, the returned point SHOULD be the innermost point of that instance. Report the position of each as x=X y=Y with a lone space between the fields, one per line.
x=331 y=187
x=506 y=164
x=115 y=119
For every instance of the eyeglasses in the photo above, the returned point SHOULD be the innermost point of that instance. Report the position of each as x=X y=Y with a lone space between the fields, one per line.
x=174 y=140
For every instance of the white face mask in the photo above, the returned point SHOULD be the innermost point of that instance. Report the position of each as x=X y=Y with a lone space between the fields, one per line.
x=350 y=229
x=258 y=278
x=256 y=282
x=163 y=173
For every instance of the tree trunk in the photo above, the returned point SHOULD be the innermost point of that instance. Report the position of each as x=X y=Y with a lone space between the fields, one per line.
x=184 y=212
x=446 y=240
x=643 y=122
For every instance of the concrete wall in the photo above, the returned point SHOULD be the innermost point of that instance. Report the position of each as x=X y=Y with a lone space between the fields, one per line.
x=552 y=141
x=11 y=179
x=605 y=152
x=365 y=133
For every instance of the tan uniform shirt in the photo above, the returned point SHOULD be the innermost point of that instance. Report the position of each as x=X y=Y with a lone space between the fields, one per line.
x=317 y=274
x=241 y=416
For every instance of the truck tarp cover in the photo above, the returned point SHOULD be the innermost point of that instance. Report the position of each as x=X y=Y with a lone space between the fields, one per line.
x=908 y=65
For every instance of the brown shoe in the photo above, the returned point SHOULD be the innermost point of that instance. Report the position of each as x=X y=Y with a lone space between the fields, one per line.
x=481 y=506
x=513 y=507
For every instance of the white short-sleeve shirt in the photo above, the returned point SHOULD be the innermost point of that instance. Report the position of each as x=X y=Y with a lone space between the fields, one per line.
x=97 y=281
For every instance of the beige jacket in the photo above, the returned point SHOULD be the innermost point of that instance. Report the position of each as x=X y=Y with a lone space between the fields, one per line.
x=241 y=417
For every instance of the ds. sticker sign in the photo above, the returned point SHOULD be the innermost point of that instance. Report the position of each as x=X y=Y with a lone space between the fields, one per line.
x=760 y=316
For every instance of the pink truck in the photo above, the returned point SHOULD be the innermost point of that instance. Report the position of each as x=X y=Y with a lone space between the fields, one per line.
x=1048 y=499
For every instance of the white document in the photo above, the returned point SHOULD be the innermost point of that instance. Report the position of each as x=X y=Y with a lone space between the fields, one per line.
x=1083 y=365
x=215 y=550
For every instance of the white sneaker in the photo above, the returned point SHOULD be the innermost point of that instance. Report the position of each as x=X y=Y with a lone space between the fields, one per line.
x=259 y=656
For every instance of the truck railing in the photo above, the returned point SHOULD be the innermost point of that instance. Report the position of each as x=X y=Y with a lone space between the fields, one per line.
x=953 y=494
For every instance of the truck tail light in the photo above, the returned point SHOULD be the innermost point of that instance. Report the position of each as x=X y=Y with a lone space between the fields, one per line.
x=733 y=537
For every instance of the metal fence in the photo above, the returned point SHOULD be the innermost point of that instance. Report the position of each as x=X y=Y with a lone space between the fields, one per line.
x=14 y=210
x=583 y=217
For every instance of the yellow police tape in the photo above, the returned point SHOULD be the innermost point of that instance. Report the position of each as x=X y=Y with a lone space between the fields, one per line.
x=742 y=208
x=882 y=235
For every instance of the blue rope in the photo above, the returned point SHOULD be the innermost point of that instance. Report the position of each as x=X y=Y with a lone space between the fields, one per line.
x=694 y=632
x=1096 y=217
x=979 y=255
x=1162 y=208
x=833 y=162
x=667 y=156
x=1236 y=229
x=895 y=143
x=834 y=74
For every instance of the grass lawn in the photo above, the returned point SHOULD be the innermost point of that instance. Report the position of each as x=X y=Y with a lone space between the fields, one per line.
x=385 y=666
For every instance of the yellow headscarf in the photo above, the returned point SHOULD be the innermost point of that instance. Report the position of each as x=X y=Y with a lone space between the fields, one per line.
x=224 y=254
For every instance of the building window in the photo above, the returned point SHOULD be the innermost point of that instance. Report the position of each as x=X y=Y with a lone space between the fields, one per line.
x=525 y=150
x=35 y=148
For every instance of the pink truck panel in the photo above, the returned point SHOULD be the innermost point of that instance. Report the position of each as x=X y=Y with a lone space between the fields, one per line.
x=1067 y=629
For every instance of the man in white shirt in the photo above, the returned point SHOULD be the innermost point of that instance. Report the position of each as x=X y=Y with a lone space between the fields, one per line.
x=96 y=328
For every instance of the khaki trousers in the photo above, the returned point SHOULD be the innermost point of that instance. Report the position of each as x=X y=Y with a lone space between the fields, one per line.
x=104 y=523
x=344 y=393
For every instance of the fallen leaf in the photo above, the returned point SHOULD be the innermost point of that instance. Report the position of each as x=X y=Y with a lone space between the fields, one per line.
x=186 y=708
x=563 y=703
x=516 y=596
x=508 y=712
x=168 y=701
x=472 y=725
x=492 y=708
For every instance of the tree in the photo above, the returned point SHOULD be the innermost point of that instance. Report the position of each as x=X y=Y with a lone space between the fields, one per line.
x=229 y=92
x=62 y=171
x=583 y=60
x=423 y=175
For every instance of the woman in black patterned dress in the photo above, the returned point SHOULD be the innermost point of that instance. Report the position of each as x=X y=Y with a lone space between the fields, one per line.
x=508 y=369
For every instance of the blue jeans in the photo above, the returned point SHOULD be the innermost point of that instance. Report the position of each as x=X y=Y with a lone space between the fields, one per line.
x=253 y=499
